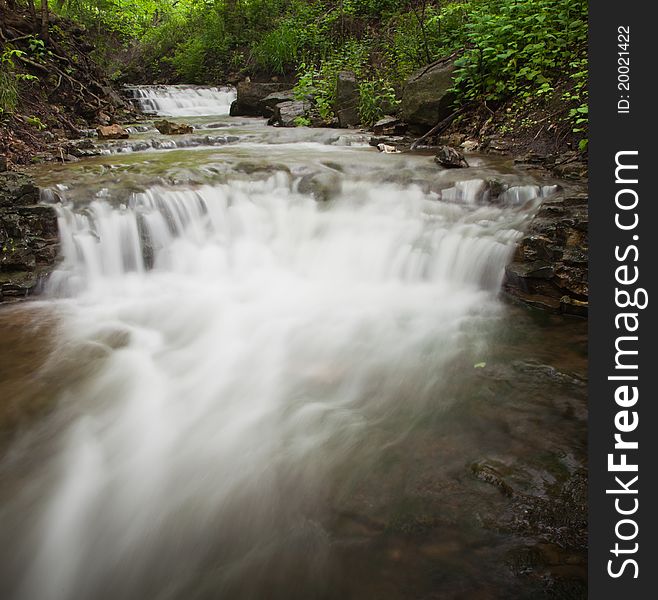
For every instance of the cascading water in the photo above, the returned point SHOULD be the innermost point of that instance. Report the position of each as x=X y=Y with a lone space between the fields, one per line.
x=183 y=100
x=240 y=354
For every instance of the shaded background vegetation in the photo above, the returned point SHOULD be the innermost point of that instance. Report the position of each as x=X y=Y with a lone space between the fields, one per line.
x=528 y=51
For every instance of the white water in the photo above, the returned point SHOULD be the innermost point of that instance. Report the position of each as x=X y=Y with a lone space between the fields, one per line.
x=237 y=344
x=184 y=101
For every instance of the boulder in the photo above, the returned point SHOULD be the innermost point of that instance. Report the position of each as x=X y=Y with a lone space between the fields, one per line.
x=169 y=128
x=450 y=157
x=550 y=269
x=111 y=132
x=267 y=104
x=389 y=126
x=426 y=98
x=285 y=113
x=250 y=95
x=346 y=105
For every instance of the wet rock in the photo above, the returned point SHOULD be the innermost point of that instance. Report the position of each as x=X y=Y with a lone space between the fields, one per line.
x=550 y=269
x=571 y=170
x=28 y=237
x=268 y=103
x=389 y=126
x=491 y=474
x=82 y=148
x=17 y=189
x=531 y=158
x=346 y=105
x=286 y=113
x=450 y=157
x=387 y=149
x=560 y=519
x=250 y=96
x=170 y=128
x=426 y=98
x=322 y=186
x=111 y=132
x=401 y=142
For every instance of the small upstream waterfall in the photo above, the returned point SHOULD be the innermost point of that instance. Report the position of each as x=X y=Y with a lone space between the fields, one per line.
x=175 y=100
x=232 y=346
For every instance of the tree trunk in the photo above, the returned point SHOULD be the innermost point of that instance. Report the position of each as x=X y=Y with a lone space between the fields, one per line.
x=33 y=12
x=3 y=10
x=45 y=21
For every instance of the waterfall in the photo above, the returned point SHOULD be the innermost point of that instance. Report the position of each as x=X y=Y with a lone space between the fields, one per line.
x=389 y=234
x=181 y=100
x=232 y=348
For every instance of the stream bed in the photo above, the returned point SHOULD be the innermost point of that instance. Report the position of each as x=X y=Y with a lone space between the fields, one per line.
x=280 y=366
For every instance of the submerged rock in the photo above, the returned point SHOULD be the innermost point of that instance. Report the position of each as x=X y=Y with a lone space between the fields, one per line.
x=451 y=158
x=322 y=186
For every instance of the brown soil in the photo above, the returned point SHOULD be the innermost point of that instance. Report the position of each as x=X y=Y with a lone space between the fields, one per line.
x=61 y=90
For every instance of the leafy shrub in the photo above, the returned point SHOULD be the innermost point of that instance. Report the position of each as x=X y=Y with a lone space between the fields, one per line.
x=376 y=98
x=8 y=80
x=278 y=49
x=519 y=47
x=8 y=91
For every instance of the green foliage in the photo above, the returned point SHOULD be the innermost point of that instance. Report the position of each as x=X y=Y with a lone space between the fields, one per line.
x=35 y=122
x=8 y=91
x=8 y=80
x=302 y=122
x=279 y=48
x=376 y=98
x=318 y=85
x=519 y=48
x=37 y=47
x=529 y=50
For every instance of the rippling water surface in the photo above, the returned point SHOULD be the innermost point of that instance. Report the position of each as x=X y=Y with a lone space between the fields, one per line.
x=275 y=368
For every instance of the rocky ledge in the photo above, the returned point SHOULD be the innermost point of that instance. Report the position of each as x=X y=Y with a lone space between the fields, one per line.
x=549 y=270
x=28 y=237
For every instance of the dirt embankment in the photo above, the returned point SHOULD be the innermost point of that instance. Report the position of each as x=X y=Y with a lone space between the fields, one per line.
x=54 y=91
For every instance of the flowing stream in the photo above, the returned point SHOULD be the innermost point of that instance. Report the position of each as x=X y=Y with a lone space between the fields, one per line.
x=268 y=365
